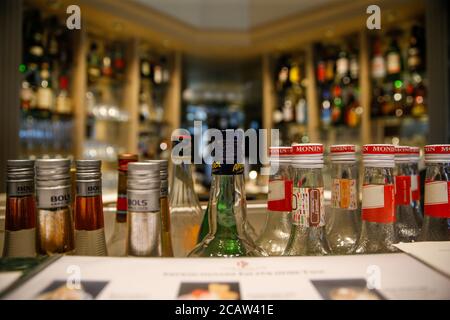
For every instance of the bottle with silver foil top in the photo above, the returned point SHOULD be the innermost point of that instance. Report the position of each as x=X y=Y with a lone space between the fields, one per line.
x=437 y=193
x=144 y=217
x=55 y=225
x=406 y=224
x=308 y=233
x=20 y=215
x=343 y=224
x=378 y=200
x=88 y=211
x=166 y=241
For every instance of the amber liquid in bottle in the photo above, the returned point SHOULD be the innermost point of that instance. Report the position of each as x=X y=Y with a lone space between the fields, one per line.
x=89 y=226
x=166 y=241
x=55 y=234
x=20 y=227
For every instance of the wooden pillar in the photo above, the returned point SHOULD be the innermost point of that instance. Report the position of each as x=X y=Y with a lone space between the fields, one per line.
x=365 y=87
x=10 y=58
x=131 y=98
x=268 y=96
x=79 y=88
x=312 y=97
x=172 y=108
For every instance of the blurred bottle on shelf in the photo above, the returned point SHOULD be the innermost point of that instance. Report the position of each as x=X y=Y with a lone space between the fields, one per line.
x=44 y=92
x=275 y=235
x=406 y=224
x=63 y=101
x=437 y=194
x=94 y=71
x=185 y=211
x=378 y=201
x=308 y=234
x=343 y=224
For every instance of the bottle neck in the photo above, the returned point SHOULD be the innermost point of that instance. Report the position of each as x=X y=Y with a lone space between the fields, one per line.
x=344 y=170
x=378 y=175
x=182 y=186
x=121 y=206
x=227 y=206
x=308 y=177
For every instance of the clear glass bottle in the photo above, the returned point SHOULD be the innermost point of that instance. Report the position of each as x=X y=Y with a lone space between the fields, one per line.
x=117 y=243
x=227 y=215
x=20 y=215
x=406 y=226
x=185 y=211
x=54 y=218
x=308 y=233
x=88 y=217
x=276 y=232
x=415 y=184
x=437 y=194
x=144 y=212
x=378 y=200
x=342 y=227
x=166 y=239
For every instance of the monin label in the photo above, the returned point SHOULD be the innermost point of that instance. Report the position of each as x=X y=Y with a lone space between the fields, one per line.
x=89 y=188
x=56 y=197
x=143 y=200
x=20 y=188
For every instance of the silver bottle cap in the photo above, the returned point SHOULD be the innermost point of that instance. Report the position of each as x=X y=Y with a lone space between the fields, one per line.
x=143 y=176
x=88 y=170
x=20 y=178
x=53 y=183
x=20 y=170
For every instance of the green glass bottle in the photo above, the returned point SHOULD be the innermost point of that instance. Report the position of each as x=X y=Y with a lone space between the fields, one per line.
x=204 y=228
x=227 y=233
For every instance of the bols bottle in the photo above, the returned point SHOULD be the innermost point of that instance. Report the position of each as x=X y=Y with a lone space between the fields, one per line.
x=20 y=215
x=144 y=216
x=89 y=222
x=55 y=225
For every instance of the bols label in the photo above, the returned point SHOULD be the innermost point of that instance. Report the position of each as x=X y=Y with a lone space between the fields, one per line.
x=143 y=201
x=89 y=188
x=49 y=198
x=20 y=188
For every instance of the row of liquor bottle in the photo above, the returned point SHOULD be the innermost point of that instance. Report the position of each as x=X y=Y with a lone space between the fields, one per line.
x=67 y=215
x=296 y=222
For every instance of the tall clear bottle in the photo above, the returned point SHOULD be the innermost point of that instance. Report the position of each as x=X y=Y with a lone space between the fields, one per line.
x=415 y=184
x=20 y=215
x=342 y=227
x=54 y=218
x=166 y=239
x=144 y=213
x=227 y=215
x=437 y=194
x=378 y=200
x=406 y=224
x=89 y=221
x=308 y=233
x=117 y=243
x=276 y=232
x=185 y=211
